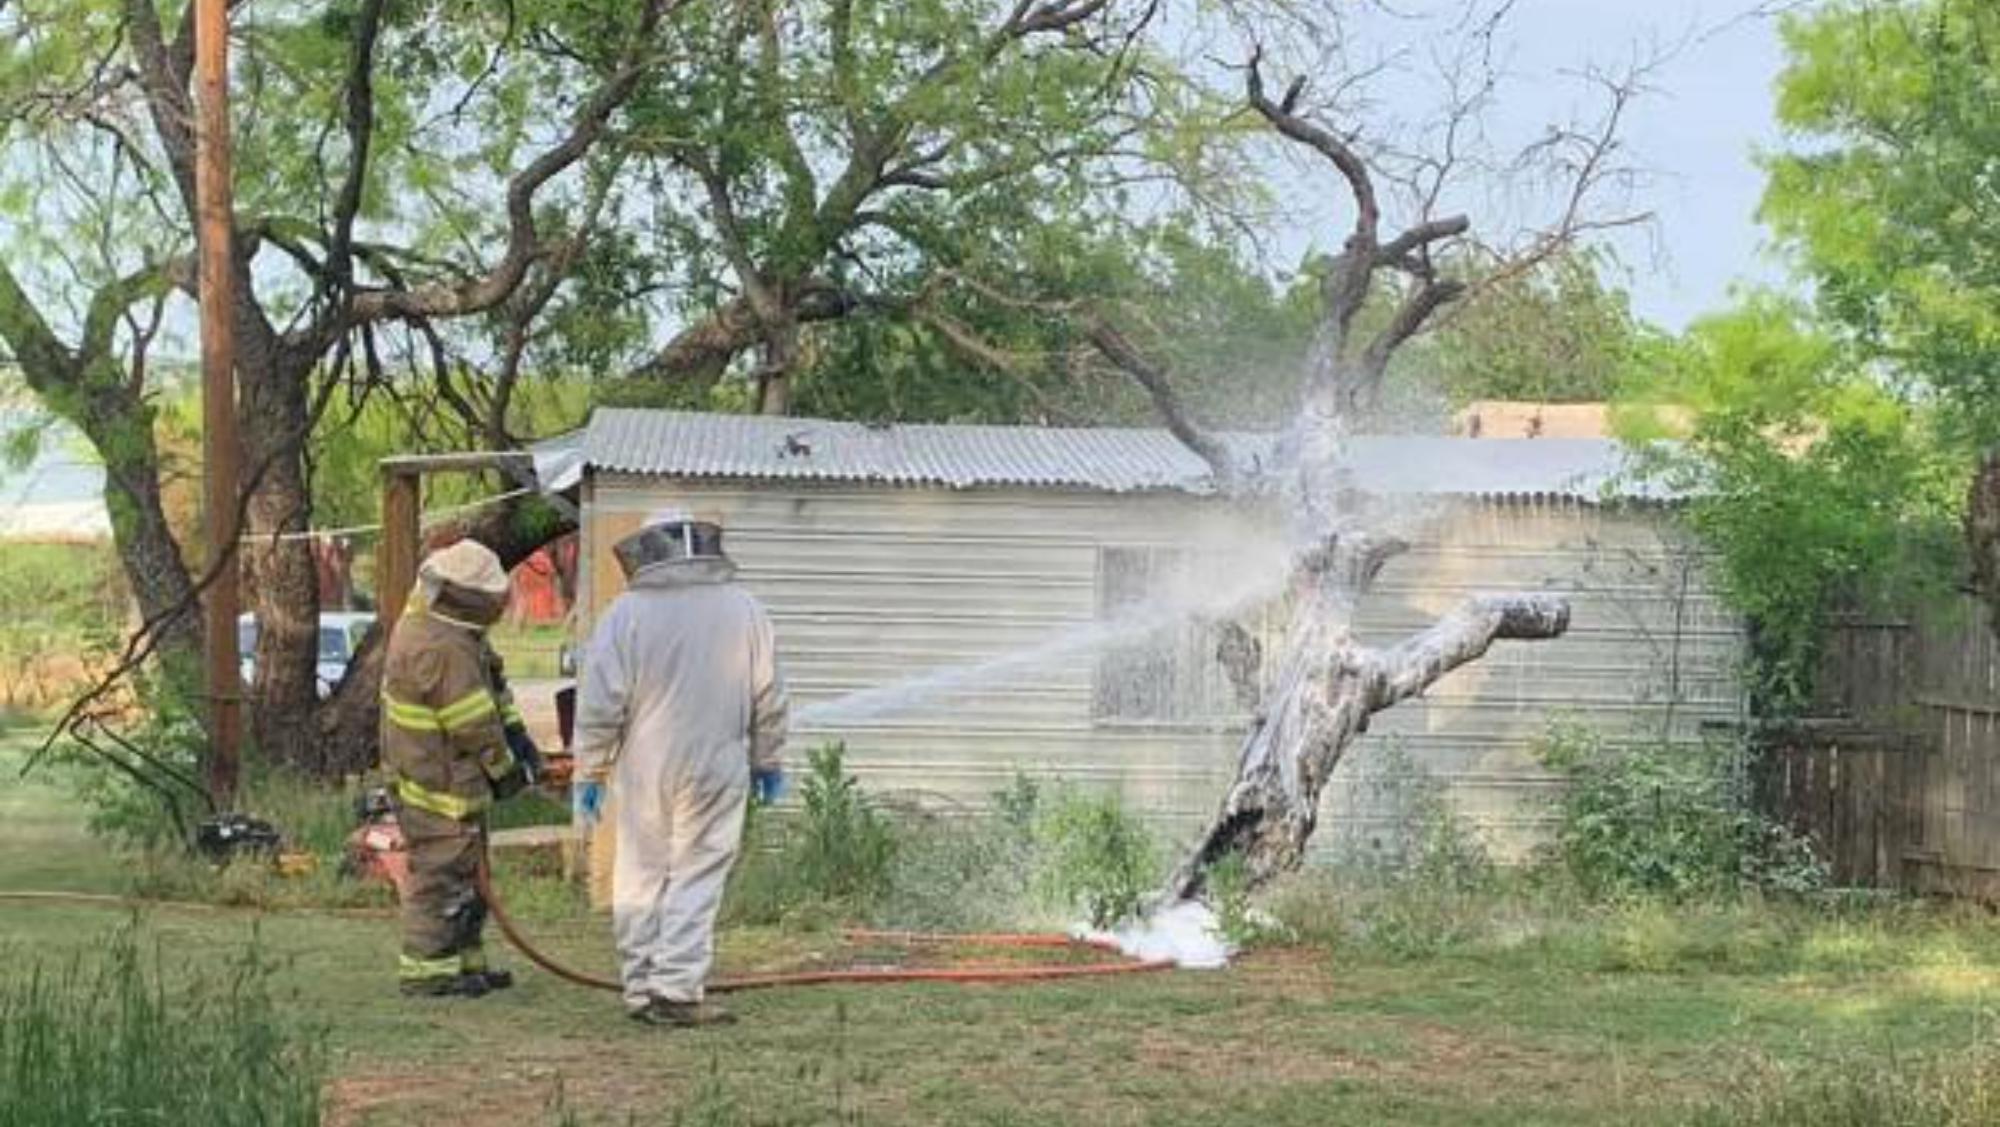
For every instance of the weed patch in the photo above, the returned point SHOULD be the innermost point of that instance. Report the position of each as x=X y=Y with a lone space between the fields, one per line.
x=103 y=1039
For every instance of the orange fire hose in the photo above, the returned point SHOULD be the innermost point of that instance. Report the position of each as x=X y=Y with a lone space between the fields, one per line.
x=962 y=974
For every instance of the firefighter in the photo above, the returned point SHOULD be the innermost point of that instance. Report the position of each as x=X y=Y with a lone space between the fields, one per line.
x=445 y=740
x=682 y=709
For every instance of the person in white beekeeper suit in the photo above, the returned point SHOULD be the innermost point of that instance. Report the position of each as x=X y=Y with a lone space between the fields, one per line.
x=682 y=710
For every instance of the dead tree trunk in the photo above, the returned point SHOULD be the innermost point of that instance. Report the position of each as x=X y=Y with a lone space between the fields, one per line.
x=1327 y=687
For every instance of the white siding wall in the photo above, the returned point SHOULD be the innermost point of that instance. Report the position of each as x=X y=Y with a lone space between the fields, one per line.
x=871 y=586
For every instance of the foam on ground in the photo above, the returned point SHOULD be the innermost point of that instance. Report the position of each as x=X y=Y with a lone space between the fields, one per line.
x=1186 y=932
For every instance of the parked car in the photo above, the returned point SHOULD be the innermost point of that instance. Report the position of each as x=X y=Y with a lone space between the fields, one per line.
x=340 y=634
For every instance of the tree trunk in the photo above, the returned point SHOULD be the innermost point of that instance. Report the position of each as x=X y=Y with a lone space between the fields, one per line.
x=280 y=576
x=780 y=364
x=1327 y=687
x=1982 y=534
x=151 y=557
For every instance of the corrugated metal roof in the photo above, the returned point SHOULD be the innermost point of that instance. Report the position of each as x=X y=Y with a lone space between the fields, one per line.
x=1108 y=459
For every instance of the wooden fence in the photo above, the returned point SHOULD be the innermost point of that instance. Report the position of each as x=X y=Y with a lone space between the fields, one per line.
x=1896 y=776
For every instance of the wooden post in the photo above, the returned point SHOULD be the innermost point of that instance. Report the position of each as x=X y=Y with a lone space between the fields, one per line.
x=396 y=566
x=215 y=211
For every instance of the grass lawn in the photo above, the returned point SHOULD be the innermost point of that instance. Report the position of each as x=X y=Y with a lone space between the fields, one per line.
x=1625 y=1021
x=531 y=652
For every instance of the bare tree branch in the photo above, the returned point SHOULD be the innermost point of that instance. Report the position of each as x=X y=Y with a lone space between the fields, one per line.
x=360 y=124
x=1159 y=387
x=439 y=299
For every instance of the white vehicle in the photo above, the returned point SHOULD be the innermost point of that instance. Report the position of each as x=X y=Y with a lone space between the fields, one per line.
x=340 y=634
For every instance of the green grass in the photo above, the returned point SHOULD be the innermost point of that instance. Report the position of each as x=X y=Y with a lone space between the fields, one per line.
x=101 y=1037
x=1537 y=1010
x=531 y=652
x=43 y=840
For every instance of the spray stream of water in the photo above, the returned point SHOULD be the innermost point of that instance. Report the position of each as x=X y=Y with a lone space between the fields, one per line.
x=1226 y=581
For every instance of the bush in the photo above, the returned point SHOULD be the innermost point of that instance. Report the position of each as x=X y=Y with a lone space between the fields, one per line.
x=1097 y=857
x=961 y=873
x=842 y=859
x=103 y=1040
x=1666 y=820
x=1428 y=843
x=147 y=795
x=845 y=844
x=828 y=863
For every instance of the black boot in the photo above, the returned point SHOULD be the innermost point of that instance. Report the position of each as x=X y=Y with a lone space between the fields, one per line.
x=682 y=1015
x=447 y=986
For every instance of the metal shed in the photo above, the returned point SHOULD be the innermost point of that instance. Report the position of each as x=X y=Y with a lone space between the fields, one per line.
x=958 y=603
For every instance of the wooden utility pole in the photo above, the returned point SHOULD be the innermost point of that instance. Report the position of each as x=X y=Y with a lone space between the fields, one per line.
x=216 y=223
x=402 y=536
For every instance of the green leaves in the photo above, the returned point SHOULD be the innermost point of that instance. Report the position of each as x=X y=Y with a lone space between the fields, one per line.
x=1813 y=482
x=1889 y=198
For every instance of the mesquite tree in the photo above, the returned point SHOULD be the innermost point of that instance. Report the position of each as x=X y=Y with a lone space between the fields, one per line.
x=1384 y=287
x=400 y=167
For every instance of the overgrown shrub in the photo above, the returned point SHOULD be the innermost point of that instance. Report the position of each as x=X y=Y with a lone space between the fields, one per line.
x=1097 y=857
x=1416 y=835
x=143 y=785
x=961 y=873
x=829 y=862
x=845 y=843
x=103 y=1039
x=1229 y=896
x=1666 y=820
x=1044 y=856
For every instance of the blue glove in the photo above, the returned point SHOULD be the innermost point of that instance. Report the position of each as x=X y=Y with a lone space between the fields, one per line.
x=767 y=785
x=586 y=801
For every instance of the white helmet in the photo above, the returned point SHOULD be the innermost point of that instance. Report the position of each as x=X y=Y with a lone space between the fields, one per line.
x=465 y=579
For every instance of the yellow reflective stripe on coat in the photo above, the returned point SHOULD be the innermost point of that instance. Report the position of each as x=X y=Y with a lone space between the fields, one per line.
x=466 y=710
x=509 y=714
x=437 y=802
x=414 y=717
x=472 y=707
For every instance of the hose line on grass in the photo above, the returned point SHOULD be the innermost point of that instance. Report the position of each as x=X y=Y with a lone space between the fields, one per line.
x=973 y=973
x=961 y=974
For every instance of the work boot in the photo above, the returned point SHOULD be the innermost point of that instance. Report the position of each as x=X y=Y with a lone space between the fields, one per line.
x=497 y=979
x=446 y=986
x=682 y=1015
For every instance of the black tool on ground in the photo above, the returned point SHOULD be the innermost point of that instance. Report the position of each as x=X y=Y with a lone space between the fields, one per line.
x=374 y=805
x=226 y=837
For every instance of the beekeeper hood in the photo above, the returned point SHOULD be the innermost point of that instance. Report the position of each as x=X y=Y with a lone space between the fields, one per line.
x=671 y=545
x=464 y=583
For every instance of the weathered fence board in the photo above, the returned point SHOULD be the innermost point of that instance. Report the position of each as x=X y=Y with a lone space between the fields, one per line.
x=1896 y=776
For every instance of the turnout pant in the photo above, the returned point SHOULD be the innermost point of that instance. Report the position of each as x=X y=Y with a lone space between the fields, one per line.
x=442 y=914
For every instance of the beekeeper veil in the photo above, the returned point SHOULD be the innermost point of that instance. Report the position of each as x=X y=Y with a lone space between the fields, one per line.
x=669 y=537
x=464 y=583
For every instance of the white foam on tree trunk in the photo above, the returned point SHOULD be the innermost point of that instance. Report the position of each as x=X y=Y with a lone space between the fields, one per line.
x=1185 y=932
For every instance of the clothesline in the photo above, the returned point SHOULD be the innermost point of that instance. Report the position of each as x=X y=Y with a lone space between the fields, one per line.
x=435 y=516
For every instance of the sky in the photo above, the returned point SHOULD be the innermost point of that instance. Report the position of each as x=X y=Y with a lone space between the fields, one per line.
x=1695 y=133
x=1713 y=111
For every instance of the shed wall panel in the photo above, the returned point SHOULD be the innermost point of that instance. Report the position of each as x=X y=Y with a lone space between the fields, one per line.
x=876 y=586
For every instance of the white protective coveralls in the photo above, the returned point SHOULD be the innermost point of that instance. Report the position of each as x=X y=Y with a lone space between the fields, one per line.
x=680 y=697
